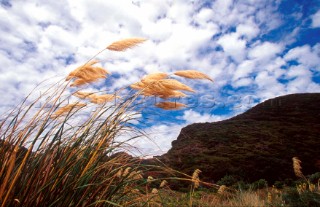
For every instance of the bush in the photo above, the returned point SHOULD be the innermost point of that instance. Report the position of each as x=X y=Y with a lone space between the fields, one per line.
x=259 y=184
x=314 y=177
x=293 y=199
x=228 y=180
x=279 y=184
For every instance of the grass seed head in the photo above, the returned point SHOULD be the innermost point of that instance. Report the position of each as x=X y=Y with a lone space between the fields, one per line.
x=170 y=105
x=66 y=109
x=173 y=84
x=124 y=44
x=101 y=99
x=153 y=77
x=297 y=167
x=83 y=95
x=192 y=74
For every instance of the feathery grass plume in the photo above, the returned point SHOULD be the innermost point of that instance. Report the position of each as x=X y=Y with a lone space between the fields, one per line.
x=170 y=105
x=195 y=178
x=173 y=84
x=162 y=93
x=138 y=86
x=73 y=73
x=92 y=72
x=83 y=95
x=297 y=167
x=89 y=79
x=154 y=77
x=87 y=74
x=172 y=94
x=124 y=44
x=101 y=99
x=66 y=109
x=192 y=74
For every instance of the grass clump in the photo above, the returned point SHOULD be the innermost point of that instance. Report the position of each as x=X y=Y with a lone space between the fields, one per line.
x=67 y=154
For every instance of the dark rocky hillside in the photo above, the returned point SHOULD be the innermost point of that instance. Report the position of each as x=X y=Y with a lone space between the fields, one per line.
x=259 y=143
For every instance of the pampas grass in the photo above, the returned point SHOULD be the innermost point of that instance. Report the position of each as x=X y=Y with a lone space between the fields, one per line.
x=170 y=105
x=153 y=77
x=69 y=151
x=67 y=109
x=297 y=167
x=101 y=99
x=193 y=74
x=125 y=44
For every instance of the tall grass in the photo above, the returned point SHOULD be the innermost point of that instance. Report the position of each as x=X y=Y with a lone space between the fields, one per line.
x=65 y=154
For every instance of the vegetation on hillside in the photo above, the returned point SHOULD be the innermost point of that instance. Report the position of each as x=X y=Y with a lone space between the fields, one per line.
x=258 y=144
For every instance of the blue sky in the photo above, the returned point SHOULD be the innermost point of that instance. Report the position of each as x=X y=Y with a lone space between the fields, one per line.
x=254 y=50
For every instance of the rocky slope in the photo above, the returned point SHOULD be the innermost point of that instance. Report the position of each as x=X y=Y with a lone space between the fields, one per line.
x=259 y=143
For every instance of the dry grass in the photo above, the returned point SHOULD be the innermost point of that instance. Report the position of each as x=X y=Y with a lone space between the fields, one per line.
x=193 y=74
x=65 y=154
x=297 y=167
x=103 y=98
x=125 y=44
x=170 y=105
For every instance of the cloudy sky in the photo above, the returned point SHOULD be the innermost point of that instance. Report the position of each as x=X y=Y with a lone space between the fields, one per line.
x=254 y=50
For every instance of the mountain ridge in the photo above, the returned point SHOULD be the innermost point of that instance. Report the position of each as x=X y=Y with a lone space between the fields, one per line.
x=258 y=143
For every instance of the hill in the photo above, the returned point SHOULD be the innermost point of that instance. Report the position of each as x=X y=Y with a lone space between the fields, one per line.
x=259 y=143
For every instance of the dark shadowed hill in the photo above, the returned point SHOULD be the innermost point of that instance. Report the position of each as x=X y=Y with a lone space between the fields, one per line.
x=259 y=143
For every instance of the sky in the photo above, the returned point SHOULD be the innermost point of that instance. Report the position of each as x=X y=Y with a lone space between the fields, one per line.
x=253 y=50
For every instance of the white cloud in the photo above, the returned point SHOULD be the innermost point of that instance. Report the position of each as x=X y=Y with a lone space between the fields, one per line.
x=243 y=82
x=305 y=55
x=265 y=51
x=189 y=116
x=315 y=19
x=233 y=46
x=249 y=30
x=244 y=69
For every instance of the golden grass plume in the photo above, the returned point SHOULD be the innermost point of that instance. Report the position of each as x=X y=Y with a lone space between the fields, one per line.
x=170 y=105
x=83 y=95
x=66 y=109
x=297 y=167
x=173 y=85
x=87 y=73
x=124 y=44
x=101 y=99
x=154 y=77
x=192 y=74
x=195 y=178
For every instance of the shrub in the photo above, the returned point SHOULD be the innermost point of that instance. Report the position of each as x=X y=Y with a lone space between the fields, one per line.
x=293 y=199
x=259 y=184
x=228 y=180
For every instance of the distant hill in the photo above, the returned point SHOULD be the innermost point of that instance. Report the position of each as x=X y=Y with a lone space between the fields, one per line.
x=259 y=143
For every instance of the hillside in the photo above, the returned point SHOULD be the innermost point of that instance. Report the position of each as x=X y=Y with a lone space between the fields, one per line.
x=259 y=143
